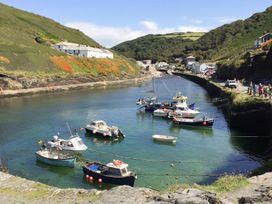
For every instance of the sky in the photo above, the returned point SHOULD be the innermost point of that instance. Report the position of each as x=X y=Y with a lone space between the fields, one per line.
x=111 y=22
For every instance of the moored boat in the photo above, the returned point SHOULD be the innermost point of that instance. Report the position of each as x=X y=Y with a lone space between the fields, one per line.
x=204 y=122
x=101 y=129
x=115 y=172
x=164 y=138
x=55 y=157
x=74 y=143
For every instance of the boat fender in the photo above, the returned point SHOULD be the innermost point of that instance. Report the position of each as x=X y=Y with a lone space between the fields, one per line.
x=204 y=123
x=94 y=131
x=100 y=180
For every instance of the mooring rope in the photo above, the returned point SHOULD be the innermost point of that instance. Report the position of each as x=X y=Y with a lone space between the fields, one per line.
x=172 y=161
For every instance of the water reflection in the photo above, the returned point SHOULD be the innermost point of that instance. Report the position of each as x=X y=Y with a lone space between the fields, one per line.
x=96 y=140
x=203 y=131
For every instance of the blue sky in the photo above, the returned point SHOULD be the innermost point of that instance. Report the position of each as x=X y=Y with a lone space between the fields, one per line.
x=110 y=22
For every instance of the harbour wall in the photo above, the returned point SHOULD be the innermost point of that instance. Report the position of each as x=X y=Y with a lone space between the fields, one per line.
x=251 y=115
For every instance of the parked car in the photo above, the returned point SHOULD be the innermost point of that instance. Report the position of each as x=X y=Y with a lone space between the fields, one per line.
x=231 y=84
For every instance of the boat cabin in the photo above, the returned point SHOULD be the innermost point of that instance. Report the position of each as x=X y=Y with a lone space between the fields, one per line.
x=118 y=169
x=98 y=123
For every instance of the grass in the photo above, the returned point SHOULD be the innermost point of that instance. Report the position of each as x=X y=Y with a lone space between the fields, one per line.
x=189 y=35
x=25 y=48
x=222 y=186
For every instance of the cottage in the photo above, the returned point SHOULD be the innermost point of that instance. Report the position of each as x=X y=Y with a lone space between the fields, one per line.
x=208 y=68
x=262 y=40
x=189 y=62
x=196 y=67
x=82 y=50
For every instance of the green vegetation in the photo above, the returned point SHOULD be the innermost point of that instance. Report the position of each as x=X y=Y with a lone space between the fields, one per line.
x=223 y=185
x=25 y=46
x=230 y=45
x=158 y=47
x=227 y=184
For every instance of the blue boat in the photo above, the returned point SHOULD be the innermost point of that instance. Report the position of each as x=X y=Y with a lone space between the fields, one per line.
x=56 y=157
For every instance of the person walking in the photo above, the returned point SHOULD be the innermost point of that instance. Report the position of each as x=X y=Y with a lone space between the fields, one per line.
x=269 y=91
x=254 y=89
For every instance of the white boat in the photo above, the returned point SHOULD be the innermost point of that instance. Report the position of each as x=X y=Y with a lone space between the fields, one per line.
x=182 y=108
x=74 y=143
x=161 y=112
x=101 y=129
x=164 y=138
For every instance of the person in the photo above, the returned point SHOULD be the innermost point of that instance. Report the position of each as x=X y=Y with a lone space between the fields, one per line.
x=269 y=91
x=250 y=88
x=254 y=89
x=260 y=89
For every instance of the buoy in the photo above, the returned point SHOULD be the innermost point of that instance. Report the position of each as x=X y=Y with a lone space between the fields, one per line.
x=204 y=123
x=91 y=178
x=87 y=176
x=100 y=180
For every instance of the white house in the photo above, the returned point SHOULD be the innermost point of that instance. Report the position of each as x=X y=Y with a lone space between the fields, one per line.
x=196 y=67
x=83 y=50
x=208 y=68
x=262 y=39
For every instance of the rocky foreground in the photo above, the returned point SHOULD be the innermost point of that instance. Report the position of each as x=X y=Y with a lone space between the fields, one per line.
x=18 y=190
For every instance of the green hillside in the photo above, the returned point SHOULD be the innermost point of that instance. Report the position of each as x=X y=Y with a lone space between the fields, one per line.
x=157 y=47
x=231 y=45
x=25 y=47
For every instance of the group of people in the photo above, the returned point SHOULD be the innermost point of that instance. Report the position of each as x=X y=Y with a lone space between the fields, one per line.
x=260 y=90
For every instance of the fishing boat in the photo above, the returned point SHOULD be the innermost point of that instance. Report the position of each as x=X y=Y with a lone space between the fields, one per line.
x=115 y=172
x=74 y=143
x=101 y=129
x=164 y=138
x=162 y=112
x=182 y=108
x=55 y=157
x=204 y=122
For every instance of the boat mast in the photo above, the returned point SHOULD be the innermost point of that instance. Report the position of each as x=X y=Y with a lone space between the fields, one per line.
x=69 y=129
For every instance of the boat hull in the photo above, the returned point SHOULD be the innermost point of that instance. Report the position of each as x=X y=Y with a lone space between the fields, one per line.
x=164 y=138
x=56 y=162
x=200 y=123
x=104 y=135
x=128 y=180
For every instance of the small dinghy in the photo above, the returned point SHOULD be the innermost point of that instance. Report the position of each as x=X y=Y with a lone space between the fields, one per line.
x=164 y=138
x=55 y=157
x=115 y=172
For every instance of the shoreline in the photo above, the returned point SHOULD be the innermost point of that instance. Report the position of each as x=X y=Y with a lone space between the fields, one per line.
x=67 y=87
x=242 y=110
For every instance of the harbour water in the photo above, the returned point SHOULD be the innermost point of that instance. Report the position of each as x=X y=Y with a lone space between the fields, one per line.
x=200 y=154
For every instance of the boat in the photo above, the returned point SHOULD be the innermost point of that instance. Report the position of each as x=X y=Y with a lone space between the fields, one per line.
x=101 y=129
x=164 y=138
x=204 y=122
x=182 y=108
x=115 y=172
x=55 y=157
x=161 y=112
x=74 y=143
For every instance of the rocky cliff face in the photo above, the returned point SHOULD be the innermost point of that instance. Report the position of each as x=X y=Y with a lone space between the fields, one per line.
x=17 y=190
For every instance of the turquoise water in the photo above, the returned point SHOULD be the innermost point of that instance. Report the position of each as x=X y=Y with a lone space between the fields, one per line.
x=200 y=155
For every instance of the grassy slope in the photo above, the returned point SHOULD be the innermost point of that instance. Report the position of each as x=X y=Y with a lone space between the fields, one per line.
x=157 y=47
x=21 y=53
x=229 y=43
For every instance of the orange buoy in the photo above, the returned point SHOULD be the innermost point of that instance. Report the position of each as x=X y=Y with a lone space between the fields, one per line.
x=91 y=178
x=100 y=180
x=87 y=177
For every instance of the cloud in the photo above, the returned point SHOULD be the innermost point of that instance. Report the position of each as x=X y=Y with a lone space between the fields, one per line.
x=196 y=21
x=109 y=36
x=227 y=19
x=150 y=26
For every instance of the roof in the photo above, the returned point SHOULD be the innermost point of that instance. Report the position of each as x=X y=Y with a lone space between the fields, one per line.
x=74 y=46
x=191 y=57
x=265 y=35
x=99 y=121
